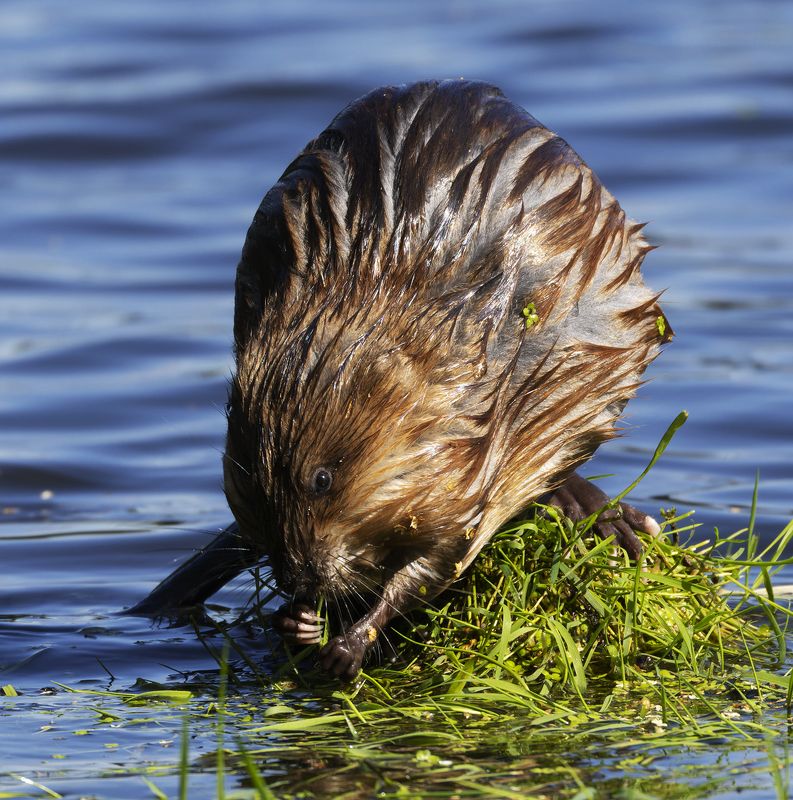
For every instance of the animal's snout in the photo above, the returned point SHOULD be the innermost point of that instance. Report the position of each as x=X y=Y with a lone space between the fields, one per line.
x=301 y=580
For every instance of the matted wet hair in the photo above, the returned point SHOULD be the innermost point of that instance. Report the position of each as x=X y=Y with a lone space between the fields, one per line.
x=440 y=306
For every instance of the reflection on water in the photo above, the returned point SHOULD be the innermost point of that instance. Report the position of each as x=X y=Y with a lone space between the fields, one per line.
x=137 y=140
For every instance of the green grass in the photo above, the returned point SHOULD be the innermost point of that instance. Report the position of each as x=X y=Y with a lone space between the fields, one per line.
x=548 y=610
x=550 y=614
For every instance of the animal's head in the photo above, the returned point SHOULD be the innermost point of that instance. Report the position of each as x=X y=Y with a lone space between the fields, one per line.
x=334 y=455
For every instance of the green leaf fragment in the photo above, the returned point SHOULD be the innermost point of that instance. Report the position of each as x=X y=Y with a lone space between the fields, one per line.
x=531 y=315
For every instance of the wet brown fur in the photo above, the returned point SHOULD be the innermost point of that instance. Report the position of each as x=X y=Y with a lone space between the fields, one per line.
x=379 y=334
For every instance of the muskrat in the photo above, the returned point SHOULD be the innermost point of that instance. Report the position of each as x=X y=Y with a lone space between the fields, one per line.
x=439 y=316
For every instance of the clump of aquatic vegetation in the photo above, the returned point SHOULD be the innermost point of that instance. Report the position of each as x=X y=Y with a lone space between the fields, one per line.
x=550 y=616
x=549 y=609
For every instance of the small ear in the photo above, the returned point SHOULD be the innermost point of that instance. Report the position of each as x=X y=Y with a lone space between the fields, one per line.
x=264 y=266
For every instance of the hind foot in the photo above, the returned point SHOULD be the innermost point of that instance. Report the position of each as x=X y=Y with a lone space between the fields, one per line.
x=578 y=499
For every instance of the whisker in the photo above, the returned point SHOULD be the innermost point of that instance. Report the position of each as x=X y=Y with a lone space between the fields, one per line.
x=397 y=611
x=224 y=455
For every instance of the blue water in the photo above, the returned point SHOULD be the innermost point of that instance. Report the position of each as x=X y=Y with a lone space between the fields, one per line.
x=136 y=140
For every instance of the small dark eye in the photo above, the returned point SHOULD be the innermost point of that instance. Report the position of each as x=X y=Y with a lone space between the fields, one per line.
x=321 y=481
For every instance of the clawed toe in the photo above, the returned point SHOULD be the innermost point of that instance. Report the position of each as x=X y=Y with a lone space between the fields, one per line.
x=638 y=520
x=623 y=535
x=578 y=499
x=298 y=624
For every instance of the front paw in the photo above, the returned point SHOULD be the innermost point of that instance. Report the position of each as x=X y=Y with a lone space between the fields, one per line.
x=578 y=499
x=343 y=655
x=298 y=624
